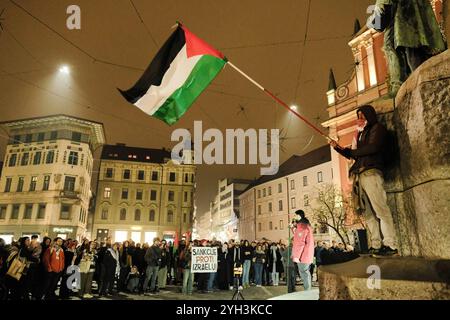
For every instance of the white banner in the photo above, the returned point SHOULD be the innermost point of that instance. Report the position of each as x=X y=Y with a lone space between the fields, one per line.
x=204 y=260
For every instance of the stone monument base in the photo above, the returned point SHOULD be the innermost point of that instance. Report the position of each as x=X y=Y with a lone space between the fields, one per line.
x=402 y=278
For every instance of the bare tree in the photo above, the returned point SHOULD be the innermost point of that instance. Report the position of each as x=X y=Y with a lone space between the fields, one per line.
x=331 y=209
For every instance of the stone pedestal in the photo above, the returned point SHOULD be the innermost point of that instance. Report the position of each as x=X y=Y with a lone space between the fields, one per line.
x=419 y=187
x=400 y=278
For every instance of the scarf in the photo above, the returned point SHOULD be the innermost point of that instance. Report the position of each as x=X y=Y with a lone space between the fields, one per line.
x=238 y=250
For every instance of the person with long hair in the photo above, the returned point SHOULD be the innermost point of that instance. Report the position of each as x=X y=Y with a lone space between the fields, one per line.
x=110 y=269
x=259 y=259
x=247 y=252
x=87 y=269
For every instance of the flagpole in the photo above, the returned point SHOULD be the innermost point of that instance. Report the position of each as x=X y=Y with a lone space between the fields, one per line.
x=282 y=103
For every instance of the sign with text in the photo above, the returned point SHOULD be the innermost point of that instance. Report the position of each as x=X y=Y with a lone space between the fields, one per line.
x=204 y=260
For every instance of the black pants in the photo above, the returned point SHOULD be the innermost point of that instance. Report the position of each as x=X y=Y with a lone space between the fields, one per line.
x=107 y=282
x=50 y=284
x=291 y=277
x=203 y=281
x=121 y=284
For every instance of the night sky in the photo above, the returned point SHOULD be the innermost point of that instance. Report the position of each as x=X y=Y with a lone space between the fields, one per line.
x=264 y=38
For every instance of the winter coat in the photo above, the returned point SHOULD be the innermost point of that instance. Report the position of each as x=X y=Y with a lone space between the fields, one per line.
x=247 y=253
x=153 y=256
x=278 y=262
x=125 y=257
x=186 y=259
x=111 y=262
x=259 y=257
x=164 y=258
x=303 y=247
x=371 y=143
x=53 y=260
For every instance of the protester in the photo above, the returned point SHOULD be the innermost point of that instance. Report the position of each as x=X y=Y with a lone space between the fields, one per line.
x=153 y=260
x=87 y=264
x=303 y=248
x=162 y=271
x=259 y=259
x=275 y=266
x=110 y=269
x=54 y=264
x=185 y=263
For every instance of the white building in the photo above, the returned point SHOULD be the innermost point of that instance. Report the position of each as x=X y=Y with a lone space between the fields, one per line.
x=269 y=203
x=45 y=187
x=203 y=226
x=225 y=209
x=141 y=194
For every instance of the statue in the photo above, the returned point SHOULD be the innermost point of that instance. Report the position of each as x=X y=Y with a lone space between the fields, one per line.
x=412 y=36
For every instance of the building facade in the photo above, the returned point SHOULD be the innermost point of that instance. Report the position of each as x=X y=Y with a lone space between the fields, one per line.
x=45 y=187
x=141 y=194
x=269 y=203
x=225 y=211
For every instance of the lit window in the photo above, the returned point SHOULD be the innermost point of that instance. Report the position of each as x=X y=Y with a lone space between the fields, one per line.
x=33 y=183
x=107 y=193
x=120 y=236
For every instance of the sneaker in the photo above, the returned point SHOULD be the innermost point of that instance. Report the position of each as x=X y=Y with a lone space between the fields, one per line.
x=258 y=286
x=388 y=251
x=231 y=288
x=241 y=288
x=374 y=251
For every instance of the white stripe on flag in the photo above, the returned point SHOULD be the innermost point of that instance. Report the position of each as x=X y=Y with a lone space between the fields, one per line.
x=175 y=77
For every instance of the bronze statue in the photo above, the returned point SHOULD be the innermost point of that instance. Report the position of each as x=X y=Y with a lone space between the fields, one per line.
x=412 y=36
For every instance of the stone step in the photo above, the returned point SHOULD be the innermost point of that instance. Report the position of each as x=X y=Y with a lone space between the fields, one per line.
x=400 y=278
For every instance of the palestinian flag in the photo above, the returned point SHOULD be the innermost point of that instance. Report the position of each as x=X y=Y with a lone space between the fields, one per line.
x=181 y=70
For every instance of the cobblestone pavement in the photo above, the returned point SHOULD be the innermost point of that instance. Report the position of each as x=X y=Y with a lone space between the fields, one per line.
x=174 y=293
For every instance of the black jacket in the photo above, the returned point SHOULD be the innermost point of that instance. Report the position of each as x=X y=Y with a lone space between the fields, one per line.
x=164 y=258
x=153 y=256
x=247 y=253
x=371 y=144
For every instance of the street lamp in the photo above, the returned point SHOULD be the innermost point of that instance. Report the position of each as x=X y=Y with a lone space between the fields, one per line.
x=64 y=69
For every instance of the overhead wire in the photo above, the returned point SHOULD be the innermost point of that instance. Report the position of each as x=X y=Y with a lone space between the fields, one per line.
x=95 y=60
x=145 y=26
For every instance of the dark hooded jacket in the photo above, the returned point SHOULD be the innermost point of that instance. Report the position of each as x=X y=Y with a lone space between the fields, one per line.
x=370 y=146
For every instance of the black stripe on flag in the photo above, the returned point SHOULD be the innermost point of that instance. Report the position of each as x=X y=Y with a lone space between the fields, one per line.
x=155 y=72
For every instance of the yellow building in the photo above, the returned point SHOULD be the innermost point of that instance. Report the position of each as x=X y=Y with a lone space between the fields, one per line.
x=141 y=194
x=45 y=188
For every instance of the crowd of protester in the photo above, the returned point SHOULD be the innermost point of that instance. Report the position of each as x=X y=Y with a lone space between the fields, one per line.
x=112 y=268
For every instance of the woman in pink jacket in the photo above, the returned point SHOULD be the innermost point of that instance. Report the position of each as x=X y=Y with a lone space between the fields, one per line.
x=303 y=247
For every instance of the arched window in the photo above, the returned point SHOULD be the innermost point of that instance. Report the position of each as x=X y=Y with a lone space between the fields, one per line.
x=170 y=216
x=137 y=215
x=105 y=214
x=123 y=214
x=152 y=215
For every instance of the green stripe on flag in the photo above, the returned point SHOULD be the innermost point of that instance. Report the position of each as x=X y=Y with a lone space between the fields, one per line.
x=207 y=68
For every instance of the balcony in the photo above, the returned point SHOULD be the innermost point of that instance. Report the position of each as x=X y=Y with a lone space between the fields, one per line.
x=66 y=194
